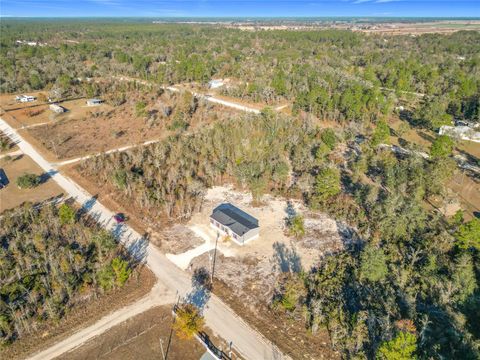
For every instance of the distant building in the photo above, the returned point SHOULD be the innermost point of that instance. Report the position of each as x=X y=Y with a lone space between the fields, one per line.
x=214 y=84
x=460 y=132
x=25 y=98
x=57 y=108
x=94 y=102
x=30 y=43
x=231 y=221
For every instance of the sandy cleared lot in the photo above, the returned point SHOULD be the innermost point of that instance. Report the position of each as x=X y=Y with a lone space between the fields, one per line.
x=323 y=234
x=11 y=196
x=104 y=128
x=246 y=276
x=41 y=114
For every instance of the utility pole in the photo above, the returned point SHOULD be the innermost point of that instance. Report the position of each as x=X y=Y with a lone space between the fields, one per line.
x=214 y=256
x=171 y=327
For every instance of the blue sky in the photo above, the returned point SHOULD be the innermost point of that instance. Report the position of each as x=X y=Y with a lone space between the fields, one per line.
x=241 y=8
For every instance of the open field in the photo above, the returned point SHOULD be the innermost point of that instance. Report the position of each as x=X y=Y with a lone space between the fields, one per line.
x=439 y=27
x=139 y=338
x=377 y=27
x=82 y=315
x=102 y=129
x=11 y=196
x=41 y=114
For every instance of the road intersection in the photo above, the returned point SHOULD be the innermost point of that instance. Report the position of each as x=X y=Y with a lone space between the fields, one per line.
x=246 y=341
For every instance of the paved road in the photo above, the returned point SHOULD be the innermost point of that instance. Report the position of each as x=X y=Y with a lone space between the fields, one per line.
x=219 y=317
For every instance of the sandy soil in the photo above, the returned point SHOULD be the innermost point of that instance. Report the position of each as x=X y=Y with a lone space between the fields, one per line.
x=246 y=277
x=172 y=239
x=441 y=27
x=11 y=196
x=76 y=109
x=139 y=338
x=323 y=233
x=82 y=315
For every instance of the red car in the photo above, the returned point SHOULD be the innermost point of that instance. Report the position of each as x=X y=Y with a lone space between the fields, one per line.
x=120 y=218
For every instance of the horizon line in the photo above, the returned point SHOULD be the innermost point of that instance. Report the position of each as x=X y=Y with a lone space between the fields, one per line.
x=245 y=17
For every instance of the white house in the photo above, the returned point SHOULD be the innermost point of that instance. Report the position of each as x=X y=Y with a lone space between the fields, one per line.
x=94 y=102
x=57 y=108
x=461 y=132
x=229 y=220
x=25 y=98
x=214 y=84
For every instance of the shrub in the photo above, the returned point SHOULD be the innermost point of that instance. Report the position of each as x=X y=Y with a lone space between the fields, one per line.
x=119 y=178
x=468 y=235
x=402 y=347
x=140 y=110
x=66 y=214
x=28 y=181
x=442 y=147
x=373 y=264
x=122 y=271
x=188 y=321
x=178 y=122
x=296 y=226
x=381 y=133
x=329 y=138
x=327 y=184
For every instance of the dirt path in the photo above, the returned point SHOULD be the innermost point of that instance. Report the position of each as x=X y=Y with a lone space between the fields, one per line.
x=159 y=295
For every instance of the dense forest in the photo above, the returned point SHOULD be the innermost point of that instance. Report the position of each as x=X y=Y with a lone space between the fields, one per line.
x=414 y=280
x=409 y=289
x=50 y=260
x=333 y=74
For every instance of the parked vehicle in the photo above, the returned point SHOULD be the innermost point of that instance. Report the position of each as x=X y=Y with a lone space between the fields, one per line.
x=120 y=218
x=3 y=179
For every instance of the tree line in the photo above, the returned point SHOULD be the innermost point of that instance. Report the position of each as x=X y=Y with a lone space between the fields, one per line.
x=52 y=259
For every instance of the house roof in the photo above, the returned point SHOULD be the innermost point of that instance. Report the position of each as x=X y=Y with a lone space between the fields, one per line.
x=237 y=220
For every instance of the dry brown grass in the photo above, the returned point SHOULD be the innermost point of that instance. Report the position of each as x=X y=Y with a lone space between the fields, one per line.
x=11 y=196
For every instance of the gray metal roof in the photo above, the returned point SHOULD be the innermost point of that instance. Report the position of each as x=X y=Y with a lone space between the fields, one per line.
x=232 y=217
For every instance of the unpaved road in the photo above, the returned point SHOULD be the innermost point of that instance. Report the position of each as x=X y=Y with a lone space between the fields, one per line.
x=158 y=296
x=219 y=317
